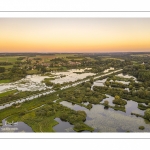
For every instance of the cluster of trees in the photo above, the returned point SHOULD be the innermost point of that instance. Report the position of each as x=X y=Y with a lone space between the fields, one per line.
x=83 y=94
x=46 y=111
x=116 y=84
x=136 y=95
x=73 y=117
x=54 y=110
x=141 y=72
x=147 y=114
x=119 y=101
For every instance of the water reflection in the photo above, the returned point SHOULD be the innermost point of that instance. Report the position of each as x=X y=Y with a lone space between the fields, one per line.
x=63 y=126
x=109 y=120
x=15 y=127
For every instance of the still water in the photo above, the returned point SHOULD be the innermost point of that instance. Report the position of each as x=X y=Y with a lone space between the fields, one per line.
x=15 y=127
x=109 y=120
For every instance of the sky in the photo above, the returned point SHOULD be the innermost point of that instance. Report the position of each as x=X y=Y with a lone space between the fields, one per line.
x=74 y=35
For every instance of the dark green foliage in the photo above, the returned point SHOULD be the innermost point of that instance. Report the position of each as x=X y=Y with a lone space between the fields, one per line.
x=106 y=104
x=143 y=107
x=119 y=101
x=147 y=114
x=141 y=127
x=118 y=107
x=89 y=106
x=82 y=94
x=64 y=116
x=79 y=127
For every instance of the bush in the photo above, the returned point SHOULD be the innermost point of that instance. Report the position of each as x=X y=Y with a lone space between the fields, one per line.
x=64 y=117
x=106 y=104
x=141 y=127
x=79 y=127
x=147 y=114
x=119 y=101
x=89 y=106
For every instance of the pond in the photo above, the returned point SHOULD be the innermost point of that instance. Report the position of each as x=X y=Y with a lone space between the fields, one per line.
x=71 y=75
x=15 y=127
x=30 y=83
x=63 y=126
x=98 y=83
x=109 y=120
x=127 y=76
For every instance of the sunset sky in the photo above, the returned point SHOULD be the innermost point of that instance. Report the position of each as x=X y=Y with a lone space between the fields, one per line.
x=74 y=34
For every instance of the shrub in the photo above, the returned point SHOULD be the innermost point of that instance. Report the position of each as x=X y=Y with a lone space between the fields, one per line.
x=22 y=113
x=89 y=106
x=119 y=101
x=63 y=117
x=147 y=114
x=141 y=127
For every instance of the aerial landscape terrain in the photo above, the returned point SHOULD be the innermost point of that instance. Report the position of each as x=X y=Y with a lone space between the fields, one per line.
x=75 y=75
x=93 y=92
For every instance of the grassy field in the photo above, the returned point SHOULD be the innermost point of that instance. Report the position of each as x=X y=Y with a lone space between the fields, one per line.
x=9 y=59
x=7 y=93
x=7 y=67
x=41 y=123
x=35 y=71
x=105 y=58
x=4 y=81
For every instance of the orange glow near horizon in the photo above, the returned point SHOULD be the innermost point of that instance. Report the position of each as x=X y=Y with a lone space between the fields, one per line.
x=74 y=34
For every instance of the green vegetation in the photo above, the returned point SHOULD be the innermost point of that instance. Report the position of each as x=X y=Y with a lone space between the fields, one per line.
x=8 y=93
x=106 y=104
x=137 y=115
x=78 y=127
x=143 y=107
x=82 y=94
x=26 y=106
x=147 y=114
x=119 y=101
x=42 y=119
x=89 y=106
x=4 y=81
x=118 y=107
x=141 y=127
x=16 y=95
x=14 y=67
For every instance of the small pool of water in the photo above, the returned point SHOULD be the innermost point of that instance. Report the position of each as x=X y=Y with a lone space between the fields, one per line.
x=109 y=98
x=16 y=127
x=63 y=126
x=74 y=107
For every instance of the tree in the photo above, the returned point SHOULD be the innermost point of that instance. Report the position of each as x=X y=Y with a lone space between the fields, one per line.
x=64 y=116
x=107 y=83
x=147 y=114
x=87 y=84
x=117 y=97
x=106 y=104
